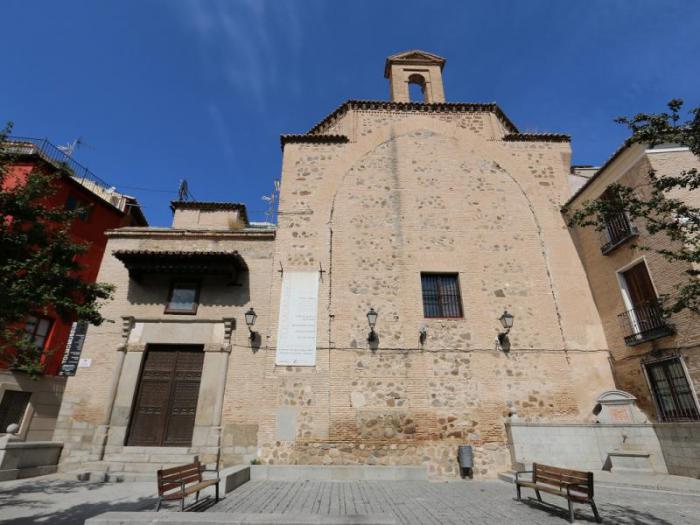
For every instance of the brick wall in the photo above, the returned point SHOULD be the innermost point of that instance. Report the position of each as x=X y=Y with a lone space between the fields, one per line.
x=631 y=169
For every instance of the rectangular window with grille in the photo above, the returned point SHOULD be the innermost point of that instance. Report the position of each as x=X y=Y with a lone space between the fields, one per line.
x=672 y=391
x=441 y=297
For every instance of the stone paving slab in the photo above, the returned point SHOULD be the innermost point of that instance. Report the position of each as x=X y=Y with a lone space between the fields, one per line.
x=477 y=502
x=55 y=501
x=219 y=518
x=51 y=500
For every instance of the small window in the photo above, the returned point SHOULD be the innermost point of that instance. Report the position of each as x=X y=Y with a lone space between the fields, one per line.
x=441 y=296
x=37 y=330
x=183 y=298
x=72 y=202
x=12 y=408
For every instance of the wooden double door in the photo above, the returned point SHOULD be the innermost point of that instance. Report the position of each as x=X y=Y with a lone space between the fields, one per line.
x=166 y=399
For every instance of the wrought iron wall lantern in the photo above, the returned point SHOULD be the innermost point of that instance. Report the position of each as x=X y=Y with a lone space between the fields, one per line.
x=507 y=323
x=372 y=321
x=250 y=317
x=422 y=334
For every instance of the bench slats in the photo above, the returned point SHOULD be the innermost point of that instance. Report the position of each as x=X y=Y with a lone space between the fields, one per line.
x=173 y=470
x=556 y=480
x=573 y=485
x=190 y=490
x=172 y=478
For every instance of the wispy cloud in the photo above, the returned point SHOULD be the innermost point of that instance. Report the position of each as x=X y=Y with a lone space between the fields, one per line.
x=222 y=131
x=253 y=45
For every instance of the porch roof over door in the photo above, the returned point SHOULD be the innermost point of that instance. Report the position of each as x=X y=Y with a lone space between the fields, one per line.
x=185 y=263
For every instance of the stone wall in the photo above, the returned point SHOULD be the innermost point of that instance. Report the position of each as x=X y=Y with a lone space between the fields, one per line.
x=680 y=443
x=414 y=192
x=46 y=394
x=582 y=446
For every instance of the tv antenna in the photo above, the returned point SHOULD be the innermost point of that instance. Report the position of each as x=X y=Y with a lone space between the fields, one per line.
x=271 y=201
x=183 y=192
x=69 y=148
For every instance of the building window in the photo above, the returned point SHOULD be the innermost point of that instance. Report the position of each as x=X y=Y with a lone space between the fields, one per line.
x=12 y=408
x=618 y=227
x=73 y=202
x=441 y=295
x=674 y=397
x=37 y=330
x=183 y=298
x=644 y=319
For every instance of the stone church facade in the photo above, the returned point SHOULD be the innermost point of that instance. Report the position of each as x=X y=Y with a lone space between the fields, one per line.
x=438 y=216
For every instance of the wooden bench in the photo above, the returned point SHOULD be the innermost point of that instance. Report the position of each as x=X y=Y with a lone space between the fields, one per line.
x=179 y=482
x=574 y=485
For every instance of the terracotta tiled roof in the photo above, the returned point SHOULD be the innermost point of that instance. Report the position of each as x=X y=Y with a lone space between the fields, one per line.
x=210 y=205
x=537 y=137
x=436 y=107
x=119 y=254
x=140 y=262
x=301 y=138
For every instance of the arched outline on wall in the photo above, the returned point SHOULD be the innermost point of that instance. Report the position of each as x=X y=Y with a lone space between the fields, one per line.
x=391 y=136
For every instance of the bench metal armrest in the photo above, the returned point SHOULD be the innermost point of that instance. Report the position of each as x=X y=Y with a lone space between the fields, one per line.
x=517 y=474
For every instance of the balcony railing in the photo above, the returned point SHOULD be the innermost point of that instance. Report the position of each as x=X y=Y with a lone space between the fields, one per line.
x=54 y=156
x=617 y=230
x=643 y=323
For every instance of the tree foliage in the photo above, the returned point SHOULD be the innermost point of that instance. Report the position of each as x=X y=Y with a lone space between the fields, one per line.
x=660 y=204
x=40 y=270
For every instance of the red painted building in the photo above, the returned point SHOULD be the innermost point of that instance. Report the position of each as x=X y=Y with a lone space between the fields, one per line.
x=35 y=403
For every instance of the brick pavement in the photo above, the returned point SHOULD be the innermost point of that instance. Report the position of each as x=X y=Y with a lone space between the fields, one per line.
x=482 y=502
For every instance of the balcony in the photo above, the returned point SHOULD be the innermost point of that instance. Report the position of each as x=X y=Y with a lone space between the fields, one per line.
x=644 y=323
x=618 y=230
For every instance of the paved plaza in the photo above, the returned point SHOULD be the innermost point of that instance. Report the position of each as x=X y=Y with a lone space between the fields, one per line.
x=54 y=501
x=50 y=500
x=478 y=502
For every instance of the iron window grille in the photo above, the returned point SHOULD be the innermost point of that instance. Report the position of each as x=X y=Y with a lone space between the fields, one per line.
x=672 y=392
x=441 y=297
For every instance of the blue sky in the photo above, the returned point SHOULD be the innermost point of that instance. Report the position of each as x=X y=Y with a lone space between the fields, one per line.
x=163 y=90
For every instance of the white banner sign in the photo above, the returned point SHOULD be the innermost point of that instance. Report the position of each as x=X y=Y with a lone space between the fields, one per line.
x=296 y=335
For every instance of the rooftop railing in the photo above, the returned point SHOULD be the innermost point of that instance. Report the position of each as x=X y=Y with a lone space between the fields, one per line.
x=60 y=160
x=56 y=157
